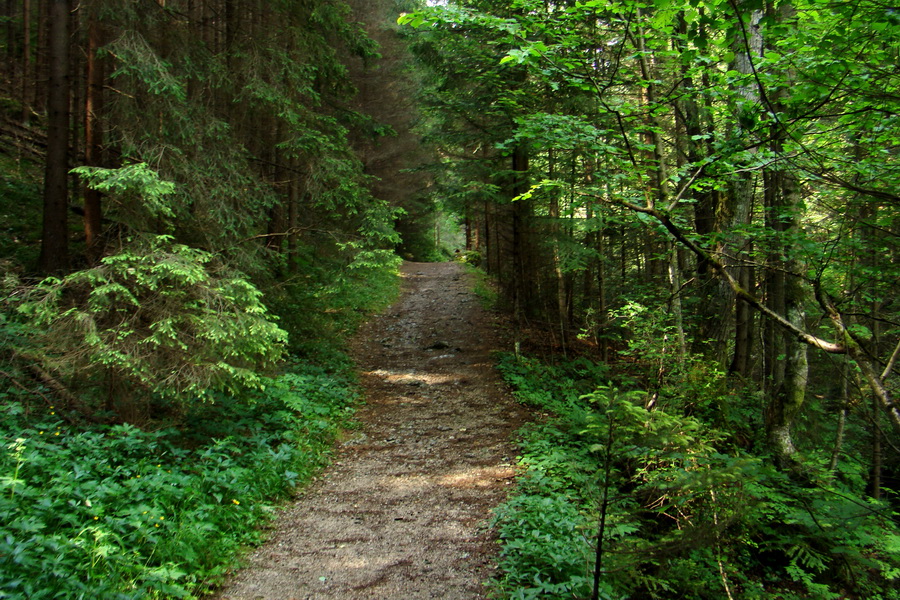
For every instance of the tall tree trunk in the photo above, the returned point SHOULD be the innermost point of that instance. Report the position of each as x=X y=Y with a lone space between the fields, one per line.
x=93 y=136
x=522 y=273
x=554 y=215
x=26 y=60
x=41 y=62
x=9 y=13
x=727 y=213
x=786 y=354
x=710 y=208
x=54 y=256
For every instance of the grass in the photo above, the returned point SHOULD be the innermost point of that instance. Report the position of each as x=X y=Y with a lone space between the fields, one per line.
x=484 y=287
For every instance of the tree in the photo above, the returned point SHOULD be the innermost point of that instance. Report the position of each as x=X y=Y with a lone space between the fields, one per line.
x=55 y=232
x=736 y=187
x=391 y=152
x=247 y=108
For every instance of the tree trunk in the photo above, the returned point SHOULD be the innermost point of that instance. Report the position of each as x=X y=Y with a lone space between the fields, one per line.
x=9 y=13
x=54 y=256
x=93 y=136
x=875 y=473
x=522 y=272
x=675 y=309
x=554 y=215
x=26 y=60
x=294 y=196
x=41 y=62
x=783 y=206
x=742 y=358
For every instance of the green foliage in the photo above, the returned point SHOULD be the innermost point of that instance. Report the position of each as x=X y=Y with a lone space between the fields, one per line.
x=135 y=194
x=116 y=512
x=693 y=109
x=159 y=317
x=321 y=308
x=688 y=512
x=470 y=257
x=551 y=386
x=545 y=551
x=249 y=134
x=681 y=380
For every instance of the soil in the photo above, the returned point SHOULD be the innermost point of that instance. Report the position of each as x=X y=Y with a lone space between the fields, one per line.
x=402 y=512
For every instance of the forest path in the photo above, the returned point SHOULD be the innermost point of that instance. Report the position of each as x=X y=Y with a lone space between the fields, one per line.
x=400 y=514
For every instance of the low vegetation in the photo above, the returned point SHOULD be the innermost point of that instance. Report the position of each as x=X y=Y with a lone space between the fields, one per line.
x=117 y=511
x=157 y=406
x=687 y=505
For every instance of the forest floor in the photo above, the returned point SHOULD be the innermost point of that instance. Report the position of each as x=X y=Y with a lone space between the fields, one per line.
x=402 y=512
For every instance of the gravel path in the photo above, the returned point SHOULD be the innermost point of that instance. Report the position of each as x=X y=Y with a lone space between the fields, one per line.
x=401 y=513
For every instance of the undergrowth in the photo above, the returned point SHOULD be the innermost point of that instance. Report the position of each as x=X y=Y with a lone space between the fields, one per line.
x=686 y=510
x=118 y=512
x=20 y=194
x=483 y=286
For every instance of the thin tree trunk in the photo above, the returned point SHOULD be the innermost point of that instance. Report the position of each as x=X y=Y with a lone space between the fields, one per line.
x=93 y=137
x=838 y=440
x=675 y=300
x=602 y=309
x=294 y=196
x=554 y=215
x=877 y=460
x=26 y=60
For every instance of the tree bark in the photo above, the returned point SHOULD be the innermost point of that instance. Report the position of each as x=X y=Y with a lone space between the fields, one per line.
x=93 y=136
x=26 y=60
x=54 y=256
x=877 y=456
x=786 y=355
x=554 y=215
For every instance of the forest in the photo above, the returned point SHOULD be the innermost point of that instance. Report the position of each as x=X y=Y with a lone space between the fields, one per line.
x=688 y=210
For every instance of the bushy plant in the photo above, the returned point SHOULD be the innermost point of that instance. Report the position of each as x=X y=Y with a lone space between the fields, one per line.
x=469 y=257
x=321 y=308
x=684 y=511
x=117 y=512
x=158 y=318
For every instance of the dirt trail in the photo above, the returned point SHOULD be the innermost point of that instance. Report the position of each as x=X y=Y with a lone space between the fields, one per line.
x=401 y=513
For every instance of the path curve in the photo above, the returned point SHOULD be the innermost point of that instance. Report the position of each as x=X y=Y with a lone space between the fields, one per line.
x=401 y=513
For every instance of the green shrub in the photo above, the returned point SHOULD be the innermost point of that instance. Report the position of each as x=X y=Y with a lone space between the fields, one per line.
x=158 y=318
x=117 y=512
x=688 y=514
